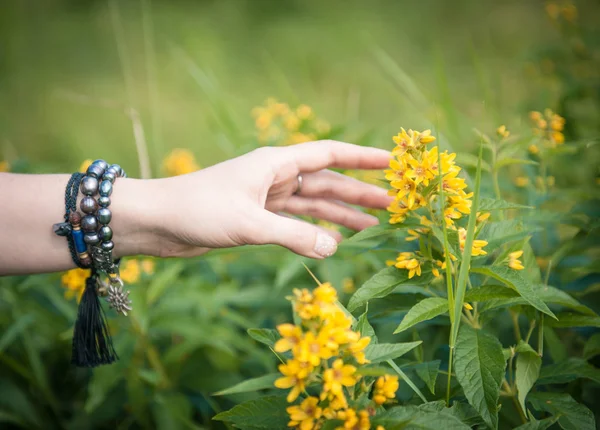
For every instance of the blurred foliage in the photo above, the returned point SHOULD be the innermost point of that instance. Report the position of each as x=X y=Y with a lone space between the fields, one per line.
x=80 y=79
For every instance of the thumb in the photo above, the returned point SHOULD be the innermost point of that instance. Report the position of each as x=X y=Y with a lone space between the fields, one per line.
x=298 y=236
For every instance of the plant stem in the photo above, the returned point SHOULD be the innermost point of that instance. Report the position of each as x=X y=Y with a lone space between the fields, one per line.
x=530 y=332
x=449 y=381
x=541 y=337
x=515 y=319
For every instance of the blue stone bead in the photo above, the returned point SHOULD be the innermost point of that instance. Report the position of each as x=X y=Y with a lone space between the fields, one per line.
x=107 y=246
x=109 y=175
x=91 y=238
x=89 y=223
x=103 y=164
x=95 y=171
x=105 y=233
x=78 y=240
x=89 y=186
x=106 y=188
x=104 y=201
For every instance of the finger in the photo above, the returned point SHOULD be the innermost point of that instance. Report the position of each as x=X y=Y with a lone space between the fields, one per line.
x=298 y=236
x=332 y=185
x=330 y=211
x=323 y=154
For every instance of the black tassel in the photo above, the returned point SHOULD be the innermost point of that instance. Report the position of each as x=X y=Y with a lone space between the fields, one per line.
x=92 y=344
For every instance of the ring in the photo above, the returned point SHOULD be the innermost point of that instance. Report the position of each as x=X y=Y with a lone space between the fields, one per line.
x=299 y=187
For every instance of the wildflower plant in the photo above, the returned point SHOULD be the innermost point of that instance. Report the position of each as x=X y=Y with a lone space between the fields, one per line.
x=470 y=262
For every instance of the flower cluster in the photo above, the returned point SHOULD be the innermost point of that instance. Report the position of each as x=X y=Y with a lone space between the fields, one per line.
x=565 y=10
x=549 y=127
x=414 y=176
x=514 y=262
x=180 y=162
x=324 y=354
x=278 y=123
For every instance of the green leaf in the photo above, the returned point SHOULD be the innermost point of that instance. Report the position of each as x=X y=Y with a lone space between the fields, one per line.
x=388 y=351
x=425 y=310
x=514 y=280
x=488 y=204
x=379 y=230
x=428 y=372
x=254 y=384
x=569 y=319
x=591 y=349
x=162 y=280
x=499 y=233
x=172 y=410
x=554 y=344
x=453 y=242
x=527 y=372
x=510 y=161
x=567 y=371
x=379 y=285
x=538 y=425
x=267 y=412
x=268 y=336
x=103 y=381
x=375 y=371
x=289 y=269
x=365 y=328
x=479 y=367
x=489 y=292
x=553 y=295
x=470 y=160
x=424 y=417
x=573 y=415
x=14 y=330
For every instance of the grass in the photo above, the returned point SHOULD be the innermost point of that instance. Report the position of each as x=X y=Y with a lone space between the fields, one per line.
x=193 y=71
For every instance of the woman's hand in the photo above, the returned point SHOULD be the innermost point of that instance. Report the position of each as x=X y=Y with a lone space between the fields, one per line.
x=245 y=200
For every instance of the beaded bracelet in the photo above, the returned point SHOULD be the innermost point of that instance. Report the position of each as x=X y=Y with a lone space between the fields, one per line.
x=92 y=343
x=100 y=178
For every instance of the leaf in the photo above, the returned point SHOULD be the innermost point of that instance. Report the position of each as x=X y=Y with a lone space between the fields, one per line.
x=428 y=416
x=514 y=280
x=453 y=242
x=103 y=381
x=538 y=425
x=573 y=415
x=488 y=204
x=254 y=384
x=289 y=269
x=510 y=161
x=569 y=319
x=554 y=295
x=379 y=285
x=383 y=229
x=527 y=372
x=425 y=310
x=13 y=331
x=591 y=349
x=172 y=410
x=479 y=367
x=162 y=280
x=428 y=372
x=388 y=351
x=499 y=233
x=470 y=160
x=267 y=412
x=567 y=371
x=365 y=328
x=268 y=336
x=375 y=371
x=489 y=292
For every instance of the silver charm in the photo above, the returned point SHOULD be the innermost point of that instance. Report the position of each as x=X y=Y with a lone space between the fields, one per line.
x=119 y=298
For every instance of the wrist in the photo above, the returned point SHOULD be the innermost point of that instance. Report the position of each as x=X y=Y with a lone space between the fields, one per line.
x=136 y=208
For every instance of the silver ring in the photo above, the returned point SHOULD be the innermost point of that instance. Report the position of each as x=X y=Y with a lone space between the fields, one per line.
x=299 y=187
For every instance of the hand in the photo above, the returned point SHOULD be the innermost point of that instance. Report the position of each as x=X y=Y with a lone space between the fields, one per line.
x=243 y=201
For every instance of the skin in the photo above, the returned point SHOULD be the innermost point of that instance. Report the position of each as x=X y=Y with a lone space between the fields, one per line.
x=248 y=200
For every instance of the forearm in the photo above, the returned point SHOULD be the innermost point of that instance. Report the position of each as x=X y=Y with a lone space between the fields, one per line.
x=31 y=204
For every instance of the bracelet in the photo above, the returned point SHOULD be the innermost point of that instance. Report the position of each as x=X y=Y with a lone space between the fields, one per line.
x=92 y=343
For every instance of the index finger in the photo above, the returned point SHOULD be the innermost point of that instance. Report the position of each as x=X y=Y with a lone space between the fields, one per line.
x=323 y=154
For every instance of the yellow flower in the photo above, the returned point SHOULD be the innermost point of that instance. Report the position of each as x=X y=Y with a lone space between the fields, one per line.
x=304 y=112
x=413 y=235
x=147 y=266
x=407 y=260
x=291 y=336
x=348 y=285
x=305 y=415
x=569 y=12
x=385 y=388
x=291 y=122
x=180 y=162
x=130 y=271
x=74 y=282
x=294 y=377
x=84 y=165
x=483 y=216
x=513 y=260
x=478 y=245
x=557 y=137
x=354 y=421
x=467 y=306
x=521 y=181
x=533 y=149
x=502 y=132
x=338 y=376
x=303 y=304
x=312 y=349
x=357 y=348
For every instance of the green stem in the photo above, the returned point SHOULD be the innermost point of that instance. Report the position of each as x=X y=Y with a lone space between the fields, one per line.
x=541 y=337
x=449 y=381
x=515 y=319
x=530 y=331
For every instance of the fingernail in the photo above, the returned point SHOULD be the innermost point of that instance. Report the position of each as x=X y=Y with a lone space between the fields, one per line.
x=325 y=245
